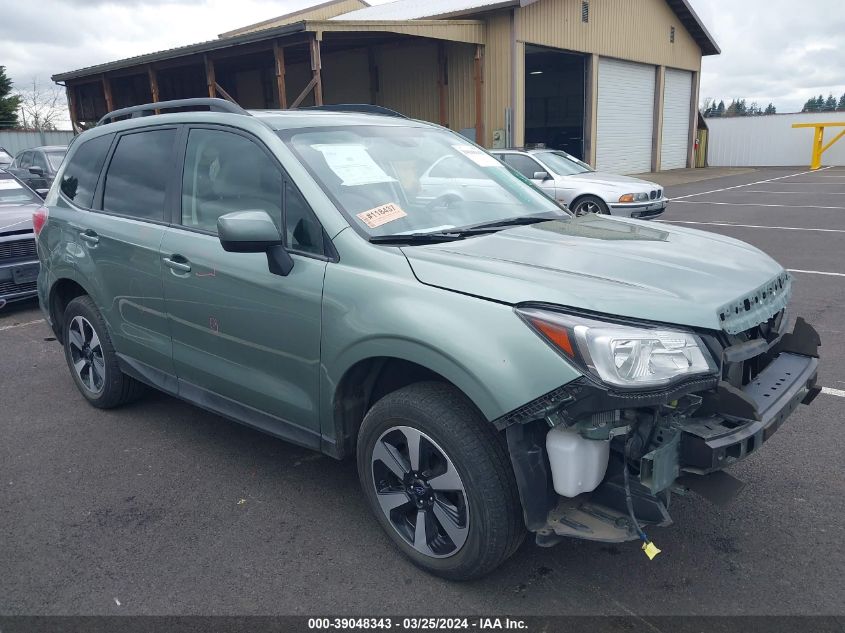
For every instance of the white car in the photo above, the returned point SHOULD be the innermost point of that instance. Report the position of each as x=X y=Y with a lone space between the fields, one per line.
x=575 y=184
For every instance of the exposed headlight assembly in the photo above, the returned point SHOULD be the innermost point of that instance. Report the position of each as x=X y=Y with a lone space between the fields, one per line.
x=622 y=355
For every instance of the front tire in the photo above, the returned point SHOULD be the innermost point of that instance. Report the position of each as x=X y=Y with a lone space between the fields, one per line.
x=439 y=480
x=91 y=357
x=590 y=205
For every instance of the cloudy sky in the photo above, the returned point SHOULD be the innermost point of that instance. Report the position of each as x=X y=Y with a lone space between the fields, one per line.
x=772 y=50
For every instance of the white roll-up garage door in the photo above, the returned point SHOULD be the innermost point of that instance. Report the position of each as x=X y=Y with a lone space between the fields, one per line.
x=625 y=118
x=677 y=92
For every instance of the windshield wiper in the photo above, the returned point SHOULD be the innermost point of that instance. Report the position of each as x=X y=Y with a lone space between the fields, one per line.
x=451 y=235
x=434 y=237
x=518 y=221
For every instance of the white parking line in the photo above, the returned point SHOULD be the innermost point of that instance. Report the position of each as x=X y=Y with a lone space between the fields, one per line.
x=749 y=184
x=755 y=204
x=815 y=183
x=834 y=392
x=11 y=327
x=798 y=193
x=753 y=226
x=815 y=272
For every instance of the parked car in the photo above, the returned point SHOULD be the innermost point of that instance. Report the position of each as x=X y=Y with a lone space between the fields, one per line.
x=5 y=158
x=584 y=190
x=38 y=166
x=492 y=365
x=18 y=260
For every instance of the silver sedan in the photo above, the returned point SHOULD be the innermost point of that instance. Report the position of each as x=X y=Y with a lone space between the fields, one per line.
x=583 y=190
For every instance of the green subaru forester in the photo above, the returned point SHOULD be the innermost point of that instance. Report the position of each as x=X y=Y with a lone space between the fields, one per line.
x=372 y=286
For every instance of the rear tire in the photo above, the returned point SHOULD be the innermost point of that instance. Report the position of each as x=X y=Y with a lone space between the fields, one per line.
x=589 y=205
x=461 y=484
x=91 y=357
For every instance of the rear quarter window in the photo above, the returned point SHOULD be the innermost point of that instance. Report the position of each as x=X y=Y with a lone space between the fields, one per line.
x=79 y=179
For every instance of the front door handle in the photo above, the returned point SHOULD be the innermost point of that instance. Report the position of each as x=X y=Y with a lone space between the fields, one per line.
x=173 y=262
x=90 y=237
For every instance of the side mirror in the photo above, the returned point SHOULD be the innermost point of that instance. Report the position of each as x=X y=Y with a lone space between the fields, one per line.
x=35 y=170
x=254 y=232
x=541 y=175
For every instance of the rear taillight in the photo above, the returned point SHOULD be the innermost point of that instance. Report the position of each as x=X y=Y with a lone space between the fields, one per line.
x=39 y=219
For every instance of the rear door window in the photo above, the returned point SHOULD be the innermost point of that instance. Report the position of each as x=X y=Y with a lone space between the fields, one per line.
x=79 y=179
x=136 y=179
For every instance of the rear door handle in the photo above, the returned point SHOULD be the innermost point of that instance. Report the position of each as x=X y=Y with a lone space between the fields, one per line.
x=173 y=263
x=90 y=237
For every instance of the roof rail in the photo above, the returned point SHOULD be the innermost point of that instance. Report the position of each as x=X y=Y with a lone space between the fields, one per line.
x=214 y=105
x=366 y=108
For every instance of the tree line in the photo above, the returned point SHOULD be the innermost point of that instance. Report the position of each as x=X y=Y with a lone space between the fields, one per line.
x=737 y=107
x=820 y=104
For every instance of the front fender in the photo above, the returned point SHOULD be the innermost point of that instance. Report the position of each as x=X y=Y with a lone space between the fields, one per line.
x=480 y=346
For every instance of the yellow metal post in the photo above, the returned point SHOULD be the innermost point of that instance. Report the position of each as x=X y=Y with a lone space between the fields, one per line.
x=819 y=147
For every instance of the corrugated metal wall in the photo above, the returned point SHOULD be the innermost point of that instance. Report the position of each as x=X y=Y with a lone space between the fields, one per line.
x=461 y=89
x=346 y=77
x=770 y=141
x=408 y=79
x=636 y=30
x=13 y=141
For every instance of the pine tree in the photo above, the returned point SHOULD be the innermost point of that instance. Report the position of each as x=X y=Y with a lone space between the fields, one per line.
x=720 y=110
x=770 y=109
x=9 y=103
x=830 y=104
x=841 y=105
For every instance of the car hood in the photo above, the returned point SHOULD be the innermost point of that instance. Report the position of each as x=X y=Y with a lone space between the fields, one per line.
x=610 y=180
x=16 y=217
x=613 y=266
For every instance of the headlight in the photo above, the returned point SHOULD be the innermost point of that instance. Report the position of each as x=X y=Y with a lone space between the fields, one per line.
x=622 y=355
x=633 y=197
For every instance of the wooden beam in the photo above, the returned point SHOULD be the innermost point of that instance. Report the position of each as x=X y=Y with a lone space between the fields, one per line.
x=316 y=67
x=479 y=95
x=304 y=93
x=107 y=94
x=151 y=75
x=442 y=83
x=279 y=55
x=210 y=79
x=219 y=89
x=71 y=106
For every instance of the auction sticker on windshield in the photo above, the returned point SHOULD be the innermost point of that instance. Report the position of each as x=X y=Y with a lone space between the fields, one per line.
x=9 y=184
x=353 y=164
x=479 y=157
x=381 y=215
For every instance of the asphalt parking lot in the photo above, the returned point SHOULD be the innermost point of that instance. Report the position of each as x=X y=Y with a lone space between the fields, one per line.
x=161 y=508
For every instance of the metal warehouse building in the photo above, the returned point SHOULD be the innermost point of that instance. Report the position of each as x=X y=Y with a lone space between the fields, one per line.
x=614 y=82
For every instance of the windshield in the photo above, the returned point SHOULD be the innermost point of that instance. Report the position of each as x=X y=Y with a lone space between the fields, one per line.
x=563 y=164
x=12 y=192
x=55 y=159
x=391 y=180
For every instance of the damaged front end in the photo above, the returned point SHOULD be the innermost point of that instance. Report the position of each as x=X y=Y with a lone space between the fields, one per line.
x=597 y=462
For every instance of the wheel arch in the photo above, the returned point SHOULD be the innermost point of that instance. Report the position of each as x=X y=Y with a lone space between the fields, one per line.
x=62 y=292
x=370 y=378
x=589 y=194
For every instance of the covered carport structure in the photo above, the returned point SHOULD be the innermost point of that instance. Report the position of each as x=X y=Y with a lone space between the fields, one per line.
x=427 y=69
